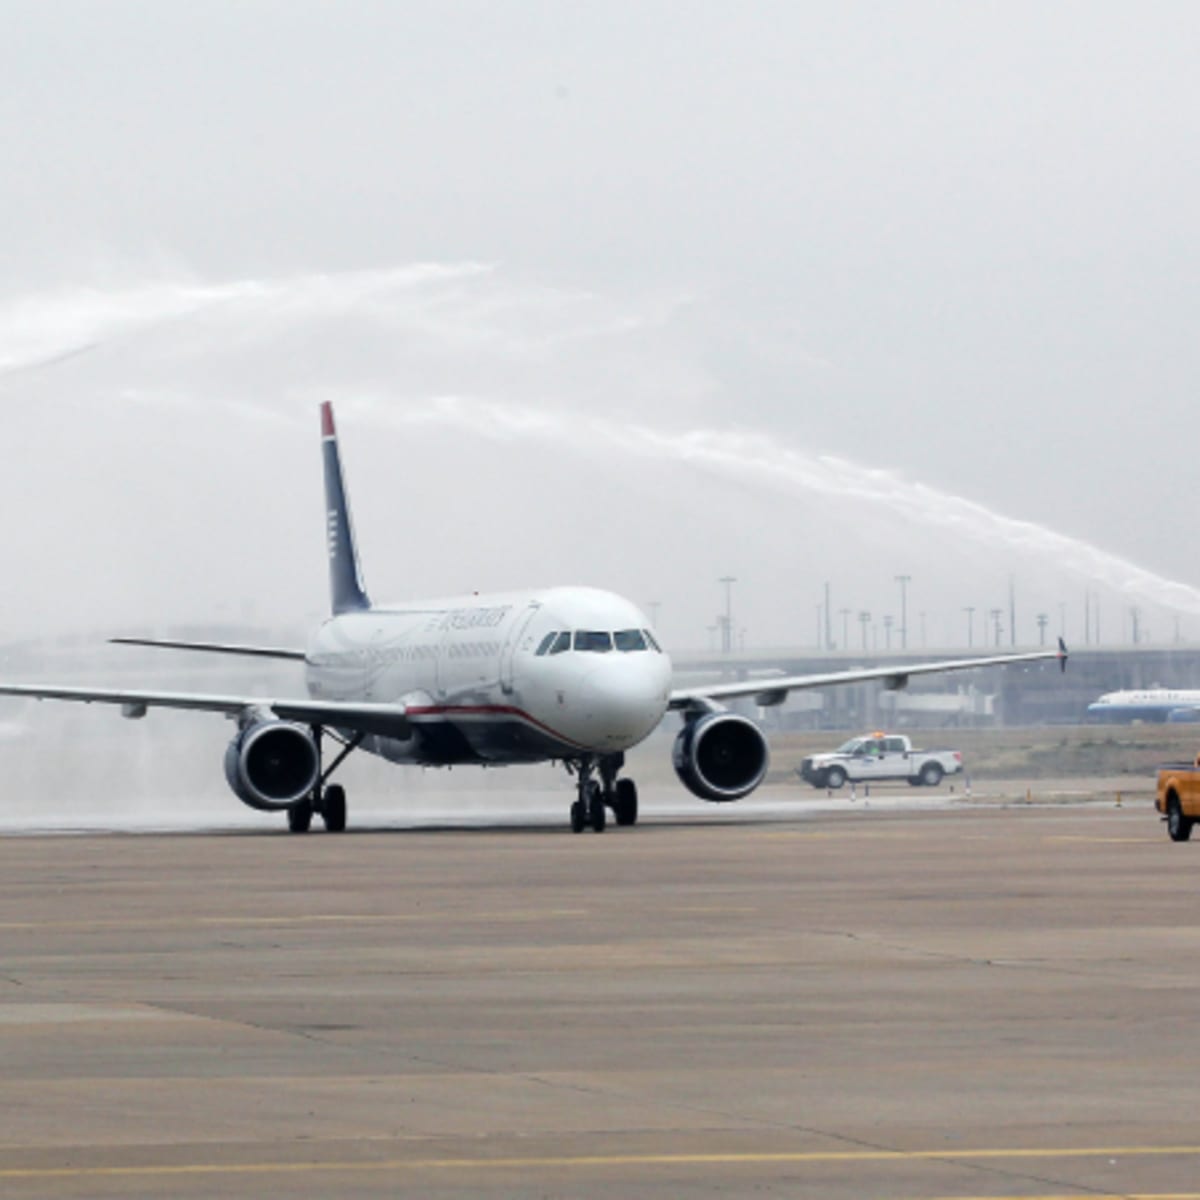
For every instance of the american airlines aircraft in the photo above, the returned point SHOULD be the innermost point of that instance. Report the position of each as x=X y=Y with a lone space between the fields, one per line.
x=566 y=674
x=1150 y=704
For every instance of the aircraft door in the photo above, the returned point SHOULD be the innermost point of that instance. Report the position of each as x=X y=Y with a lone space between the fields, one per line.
x=519 y=639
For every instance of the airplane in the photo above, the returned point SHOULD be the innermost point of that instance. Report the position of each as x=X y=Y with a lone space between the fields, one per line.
x=1151 y=704
x=573 y=675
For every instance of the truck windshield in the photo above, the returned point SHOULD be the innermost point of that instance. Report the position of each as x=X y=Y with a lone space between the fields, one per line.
x=849 y=747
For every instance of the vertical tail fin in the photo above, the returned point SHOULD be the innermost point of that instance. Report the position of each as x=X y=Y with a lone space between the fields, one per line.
x=345 y=578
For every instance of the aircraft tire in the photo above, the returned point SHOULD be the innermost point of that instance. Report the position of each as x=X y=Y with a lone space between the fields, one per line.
x=578 y=816
x=835 y=777
x=625 y=802
x=299 y=817
x=931 y=774
x=1179 y=827
x=333 y=808
x=597 y=815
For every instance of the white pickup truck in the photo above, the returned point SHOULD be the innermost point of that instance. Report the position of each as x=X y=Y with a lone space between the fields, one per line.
x=879 y=756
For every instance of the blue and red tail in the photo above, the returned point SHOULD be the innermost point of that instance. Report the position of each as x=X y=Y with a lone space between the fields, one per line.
x=345 y=577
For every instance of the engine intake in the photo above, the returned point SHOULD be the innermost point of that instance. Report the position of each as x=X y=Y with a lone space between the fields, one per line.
x=721 y=756
x=272 y=764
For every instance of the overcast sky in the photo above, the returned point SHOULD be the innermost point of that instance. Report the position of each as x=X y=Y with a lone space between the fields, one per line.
x=629 y=294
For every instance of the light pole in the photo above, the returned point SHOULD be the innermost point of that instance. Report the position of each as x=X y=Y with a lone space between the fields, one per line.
x=727 y=632
x=903 y=581
x=887 y=631
x=970 y=611
x=997 y=613
x=846 y=629
x=1041 y=622
x=864 y=619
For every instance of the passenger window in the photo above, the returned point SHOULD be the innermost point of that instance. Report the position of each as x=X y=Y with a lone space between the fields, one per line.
x=593 y=640
x=562 y=643
x=546 y=642
x=629 y=639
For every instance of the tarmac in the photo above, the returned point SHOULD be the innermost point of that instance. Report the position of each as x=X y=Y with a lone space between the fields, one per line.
x=971 y=1001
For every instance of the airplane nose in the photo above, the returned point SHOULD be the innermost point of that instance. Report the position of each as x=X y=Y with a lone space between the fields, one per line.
x=621 y=703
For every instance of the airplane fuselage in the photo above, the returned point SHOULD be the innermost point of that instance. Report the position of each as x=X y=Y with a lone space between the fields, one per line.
x=1147 y=704
x=501 y=678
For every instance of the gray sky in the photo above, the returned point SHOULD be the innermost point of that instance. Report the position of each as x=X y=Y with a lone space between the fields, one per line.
x=630 y=294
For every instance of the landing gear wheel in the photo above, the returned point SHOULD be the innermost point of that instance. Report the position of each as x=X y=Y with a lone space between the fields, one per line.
x=931 y=774
x=1179 y=827
x=578 y=816
x=333 y=808
x=300 y=816
x=625 y=802
x=597 y=816
x=835 y=777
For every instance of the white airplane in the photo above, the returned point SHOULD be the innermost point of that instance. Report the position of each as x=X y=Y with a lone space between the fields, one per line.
x=1150 y=704
x=567 y=674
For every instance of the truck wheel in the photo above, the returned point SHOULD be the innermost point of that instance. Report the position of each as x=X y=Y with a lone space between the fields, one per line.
x=835 y=777
x=820 y=780
x=931 y=774
x=1179 y=827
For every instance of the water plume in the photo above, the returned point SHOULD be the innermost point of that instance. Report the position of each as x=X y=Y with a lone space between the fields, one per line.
x=757 y=460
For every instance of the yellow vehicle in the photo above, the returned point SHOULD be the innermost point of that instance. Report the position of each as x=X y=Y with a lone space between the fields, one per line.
x=1178 y=797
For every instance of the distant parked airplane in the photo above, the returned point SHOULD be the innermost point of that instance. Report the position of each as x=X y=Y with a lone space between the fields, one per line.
x=1151 y=704
x=565 y=674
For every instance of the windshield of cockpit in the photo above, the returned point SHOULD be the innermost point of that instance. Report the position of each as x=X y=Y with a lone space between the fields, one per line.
x=598 y=641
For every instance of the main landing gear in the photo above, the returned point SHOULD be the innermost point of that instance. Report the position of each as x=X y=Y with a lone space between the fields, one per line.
x=595 y=796
x=329 y=803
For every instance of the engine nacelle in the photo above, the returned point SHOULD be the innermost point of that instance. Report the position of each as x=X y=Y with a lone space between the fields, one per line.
x=272 y=764
x=721 y=756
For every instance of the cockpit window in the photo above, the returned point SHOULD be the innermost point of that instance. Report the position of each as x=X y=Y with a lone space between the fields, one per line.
x=629 y=639
x=651 y=642
x=546 y=642
x=562 y=642
x=594 y=640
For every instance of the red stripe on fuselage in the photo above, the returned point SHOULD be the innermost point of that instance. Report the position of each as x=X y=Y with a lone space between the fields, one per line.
x=490 y=710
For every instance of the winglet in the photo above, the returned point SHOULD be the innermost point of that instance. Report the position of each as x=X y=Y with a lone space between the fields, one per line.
x=1062 y=655
x=345 y=578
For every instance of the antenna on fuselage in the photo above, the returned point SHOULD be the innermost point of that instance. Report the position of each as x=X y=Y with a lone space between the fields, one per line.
x=345 y=577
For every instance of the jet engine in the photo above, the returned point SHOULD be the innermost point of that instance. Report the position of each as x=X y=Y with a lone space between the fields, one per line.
x=272 y=764
x=721 y=756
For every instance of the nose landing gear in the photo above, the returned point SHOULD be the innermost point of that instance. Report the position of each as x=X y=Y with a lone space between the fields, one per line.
x=595 y=796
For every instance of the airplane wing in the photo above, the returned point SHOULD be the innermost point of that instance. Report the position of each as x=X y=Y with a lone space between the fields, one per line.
x=390 y=720
x=212 y=647
x=774 y=691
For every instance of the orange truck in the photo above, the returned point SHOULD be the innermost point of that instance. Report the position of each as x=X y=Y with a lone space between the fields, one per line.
x=1178 y=797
